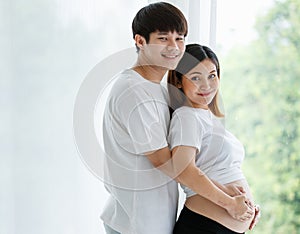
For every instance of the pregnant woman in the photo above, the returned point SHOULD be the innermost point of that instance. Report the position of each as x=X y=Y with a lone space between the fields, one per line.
x=209 y=155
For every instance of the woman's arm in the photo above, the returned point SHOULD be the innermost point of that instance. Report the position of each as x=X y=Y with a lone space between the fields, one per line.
x=188 y=174
x=231 y=189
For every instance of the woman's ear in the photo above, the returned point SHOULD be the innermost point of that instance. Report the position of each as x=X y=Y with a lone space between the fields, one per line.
x=139 y=41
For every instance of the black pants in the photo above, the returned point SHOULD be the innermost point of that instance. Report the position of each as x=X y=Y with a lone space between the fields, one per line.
x=190 y=222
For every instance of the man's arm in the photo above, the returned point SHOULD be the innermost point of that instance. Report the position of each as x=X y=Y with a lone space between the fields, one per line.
x=162 y=159
x=181 y=166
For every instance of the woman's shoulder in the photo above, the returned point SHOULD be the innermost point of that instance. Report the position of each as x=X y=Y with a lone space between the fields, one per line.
x=184 y=109
x=191 y=111
x=200 y=118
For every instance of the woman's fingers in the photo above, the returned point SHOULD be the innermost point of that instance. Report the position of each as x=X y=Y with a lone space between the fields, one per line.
x=256 y=217
x=241 y=189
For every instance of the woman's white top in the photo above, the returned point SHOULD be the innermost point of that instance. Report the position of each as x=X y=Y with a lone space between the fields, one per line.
x=219 y=153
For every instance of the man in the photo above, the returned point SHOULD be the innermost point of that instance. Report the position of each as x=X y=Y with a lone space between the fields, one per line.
x=136 y=119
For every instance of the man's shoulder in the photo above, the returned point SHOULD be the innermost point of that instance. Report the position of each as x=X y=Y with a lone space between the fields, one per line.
x=129 y=83
x=126 y=80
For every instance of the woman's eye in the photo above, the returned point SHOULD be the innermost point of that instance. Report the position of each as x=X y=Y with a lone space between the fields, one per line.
x=212 y=76
x=195 y=78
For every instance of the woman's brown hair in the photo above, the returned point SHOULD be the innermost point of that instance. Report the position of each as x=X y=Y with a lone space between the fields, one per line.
x=193 y=55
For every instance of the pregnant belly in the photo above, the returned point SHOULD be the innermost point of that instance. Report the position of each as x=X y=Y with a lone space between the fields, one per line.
x=209 y=209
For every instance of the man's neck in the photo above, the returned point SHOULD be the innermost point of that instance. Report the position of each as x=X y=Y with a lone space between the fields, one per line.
x=152 y=73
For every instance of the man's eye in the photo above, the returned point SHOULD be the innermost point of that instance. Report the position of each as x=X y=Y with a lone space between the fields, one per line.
x=163 y=38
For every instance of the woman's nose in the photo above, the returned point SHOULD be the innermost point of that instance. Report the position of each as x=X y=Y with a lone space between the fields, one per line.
x=204 y=84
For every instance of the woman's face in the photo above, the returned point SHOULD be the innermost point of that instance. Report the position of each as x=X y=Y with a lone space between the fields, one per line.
x=201 y=84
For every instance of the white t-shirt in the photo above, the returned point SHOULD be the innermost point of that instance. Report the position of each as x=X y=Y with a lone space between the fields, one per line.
x=136 y=120
x=219 y=153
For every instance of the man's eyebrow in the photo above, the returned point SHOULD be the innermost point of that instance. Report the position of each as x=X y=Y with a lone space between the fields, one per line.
x=167 y=33
x=163 y=33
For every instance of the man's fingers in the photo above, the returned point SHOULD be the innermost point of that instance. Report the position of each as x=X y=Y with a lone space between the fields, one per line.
x=246 y=216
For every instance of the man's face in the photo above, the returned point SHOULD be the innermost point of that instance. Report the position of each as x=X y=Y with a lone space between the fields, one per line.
x=164 y=49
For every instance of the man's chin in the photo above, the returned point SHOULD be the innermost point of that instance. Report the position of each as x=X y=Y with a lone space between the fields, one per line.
x=171 y=66
x=167 y=66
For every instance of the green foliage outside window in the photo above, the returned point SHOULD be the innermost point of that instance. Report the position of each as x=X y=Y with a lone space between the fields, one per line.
x=261 y=92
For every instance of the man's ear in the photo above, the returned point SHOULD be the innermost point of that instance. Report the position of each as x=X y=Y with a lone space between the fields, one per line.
x=139 y=41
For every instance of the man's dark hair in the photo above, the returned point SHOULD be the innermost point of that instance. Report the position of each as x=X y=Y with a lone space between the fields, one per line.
x=159 y=16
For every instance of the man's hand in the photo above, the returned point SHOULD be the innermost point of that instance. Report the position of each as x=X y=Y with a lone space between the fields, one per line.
x=256 y=217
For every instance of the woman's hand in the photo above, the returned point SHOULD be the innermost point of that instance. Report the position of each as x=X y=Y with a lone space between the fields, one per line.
x=256 y=217
x=230 y=189
x=234 y=190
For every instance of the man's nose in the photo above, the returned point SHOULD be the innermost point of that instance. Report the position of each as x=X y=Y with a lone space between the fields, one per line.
x=172 y=45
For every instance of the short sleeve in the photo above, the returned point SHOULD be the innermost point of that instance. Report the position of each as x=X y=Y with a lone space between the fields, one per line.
x=185 y=129
x=143 y=118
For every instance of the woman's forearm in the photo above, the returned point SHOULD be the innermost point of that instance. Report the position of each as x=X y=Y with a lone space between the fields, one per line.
x=196 y=180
